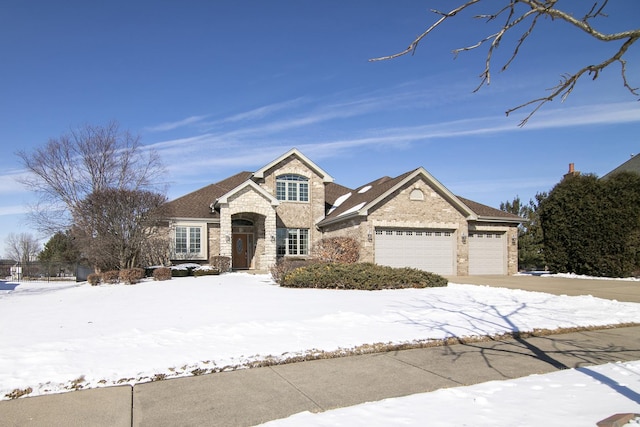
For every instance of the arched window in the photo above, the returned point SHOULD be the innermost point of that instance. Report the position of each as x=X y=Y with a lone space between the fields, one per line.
x=292 y=188
x=416 y=194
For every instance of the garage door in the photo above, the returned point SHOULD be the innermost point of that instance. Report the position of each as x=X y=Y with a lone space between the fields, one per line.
x=487 y=253
x=429 y=250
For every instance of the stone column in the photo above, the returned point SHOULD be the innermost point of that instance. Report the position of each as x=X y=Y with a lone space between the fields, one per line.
x=225 y=231
x=270 y=239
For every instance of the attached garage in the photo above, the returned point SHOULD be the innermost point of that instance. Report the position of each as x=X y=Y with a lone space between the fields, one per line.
x=425 y=249
x=487 y=253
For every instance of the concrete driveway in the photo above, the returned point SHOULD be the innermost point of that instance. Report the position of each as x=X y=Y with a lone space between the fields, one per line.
x=619 y=290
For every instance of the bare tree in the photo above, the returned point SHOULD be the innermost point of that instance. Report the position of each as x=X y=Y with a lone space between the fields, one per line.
x=84 y=161
x=22 y=247
x=517 y=12
x=115 y=227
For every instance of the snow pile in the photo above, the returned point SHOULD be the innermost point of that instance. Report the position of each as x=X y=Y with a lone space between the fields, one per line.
x=59 y=336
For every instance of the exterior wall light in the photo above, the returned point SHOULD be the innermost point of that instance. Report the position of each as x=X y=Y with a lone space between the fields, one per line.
x=464 y=239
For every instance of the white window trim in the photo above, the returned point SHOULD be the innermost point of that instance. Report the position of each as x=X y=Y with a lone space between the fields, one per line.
x=279 y=241
x=202 y=255
x=287 y=181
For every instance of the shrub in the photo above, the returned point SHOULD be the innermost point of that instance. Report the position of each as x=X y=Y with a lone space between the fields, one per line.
x=180 y=272
x=222 y=263
x=110 y=277
x=162 y=273
x=337 y=249
x=364 y=276
x=131 y=276
x=285 y=265
x=206 y=270
x=93 y=279
x=183 y=270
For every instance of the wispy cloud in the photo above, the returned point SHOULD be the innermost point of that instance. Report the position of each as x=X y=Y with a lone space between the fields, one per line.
x=260 y=112
x=14 y=210
x=163 y=127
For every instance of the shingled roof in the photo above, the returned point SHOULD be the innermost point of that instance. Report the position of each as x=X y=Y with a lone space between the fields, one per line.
x=351 y=201
x=197 y=204
x=487 y=212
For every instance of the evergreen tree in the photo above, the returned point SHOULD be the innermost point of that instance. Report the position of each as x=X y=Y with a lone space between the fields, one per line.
x=592 y=226
x=60 y=248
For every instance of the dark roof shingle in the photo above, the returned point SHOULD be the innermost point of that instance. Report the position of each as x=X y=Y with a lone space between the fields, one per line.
x=197 y=203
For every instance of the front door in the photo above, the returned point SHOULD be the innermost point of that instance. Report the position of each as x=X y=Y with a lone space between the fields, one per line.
x=240 y=251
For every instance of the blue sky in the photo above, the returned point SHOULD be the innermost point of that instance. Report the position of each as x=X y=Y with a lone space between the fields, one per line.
x=221 y=87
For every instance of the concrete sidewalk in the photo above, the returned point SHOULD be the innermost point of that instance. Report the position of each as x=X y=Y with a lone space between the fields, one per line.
x=254 y=396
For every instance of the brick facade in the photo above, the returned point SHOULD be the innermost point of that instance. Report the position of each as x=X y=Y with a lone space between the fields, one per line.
x=246 y=203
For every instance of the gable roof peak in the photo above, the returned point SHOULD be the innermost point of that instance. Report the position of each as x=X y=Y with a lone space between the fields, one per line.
x=294 y=152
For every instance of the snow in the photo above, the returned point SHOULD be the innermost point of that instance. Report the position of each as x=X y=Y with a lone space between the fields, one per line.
x=60 y=334
x=355 y=208
x=340 y=200
x=574 y=397
x=364 y=189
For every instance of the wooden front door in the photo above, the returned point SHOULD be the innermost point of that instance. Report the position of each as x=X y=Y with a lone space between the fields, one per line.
x=240 y=251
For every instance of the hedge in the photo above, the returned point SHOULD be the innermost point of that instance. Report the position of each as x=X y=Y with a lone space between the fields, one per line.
x=364 y=276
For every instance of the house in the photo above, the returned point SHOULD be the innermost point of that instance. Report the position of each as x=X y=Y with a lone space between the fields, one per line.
x=631 y=165
x=286 y=206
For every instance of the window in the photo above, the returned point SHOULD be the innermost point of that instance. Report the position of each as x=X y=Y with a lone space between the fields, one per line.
x=292 y=241
x=416 y=194
x=293 y=188
x=188 y=240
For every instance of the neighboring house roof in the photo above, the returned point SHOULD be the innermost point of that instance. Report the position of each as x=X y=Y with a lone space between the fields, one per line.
x=295 y=152
x=631 y=165
x=197 y=204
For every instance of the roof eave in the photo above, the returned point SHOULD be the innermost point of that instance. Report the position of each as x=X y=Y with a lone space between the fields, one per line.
x=499 y=219
x=340 y=218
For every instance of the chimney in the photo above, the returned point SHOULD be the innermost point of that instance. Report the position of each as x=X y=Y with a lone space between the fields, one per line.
x=572 y=171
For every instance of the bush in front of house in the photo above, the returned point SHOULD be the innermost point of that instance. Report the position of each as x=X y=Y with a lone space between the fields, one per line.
x=131 y=276
x=205 y=270
x=111 y=277
x=222 y=263
x=183 y=270
x=363 y=276
x=94 y=279
x=286 y=265
x=161 y=273
x=340 y=249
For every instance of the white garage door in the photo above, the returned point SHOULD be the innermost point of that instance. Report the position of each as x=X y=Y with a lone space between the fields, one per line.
x=487 y=253
x=429 y=250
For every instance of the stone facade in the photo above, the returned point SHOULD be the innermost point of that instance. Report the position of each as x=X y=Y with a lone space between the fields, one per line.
x=246 y=205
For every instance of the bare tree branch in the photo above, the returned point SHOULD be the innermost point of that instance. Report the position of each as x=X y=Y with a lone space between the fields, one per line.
x=534 y=9
x=84 y=161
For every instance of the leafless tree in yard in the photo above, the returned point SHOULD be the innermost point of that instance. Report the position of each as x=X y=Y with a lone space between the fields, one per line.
x=518 y=13
x=86 y=160
x=22 y=247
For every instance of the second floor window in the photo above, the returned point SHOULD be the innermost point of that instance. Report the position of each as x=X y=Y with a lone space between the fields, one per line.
x=292 y=188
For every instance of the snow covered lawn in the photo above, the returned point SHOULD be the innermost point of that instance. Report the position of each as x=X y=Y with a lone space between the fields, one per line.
x=58 y=336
